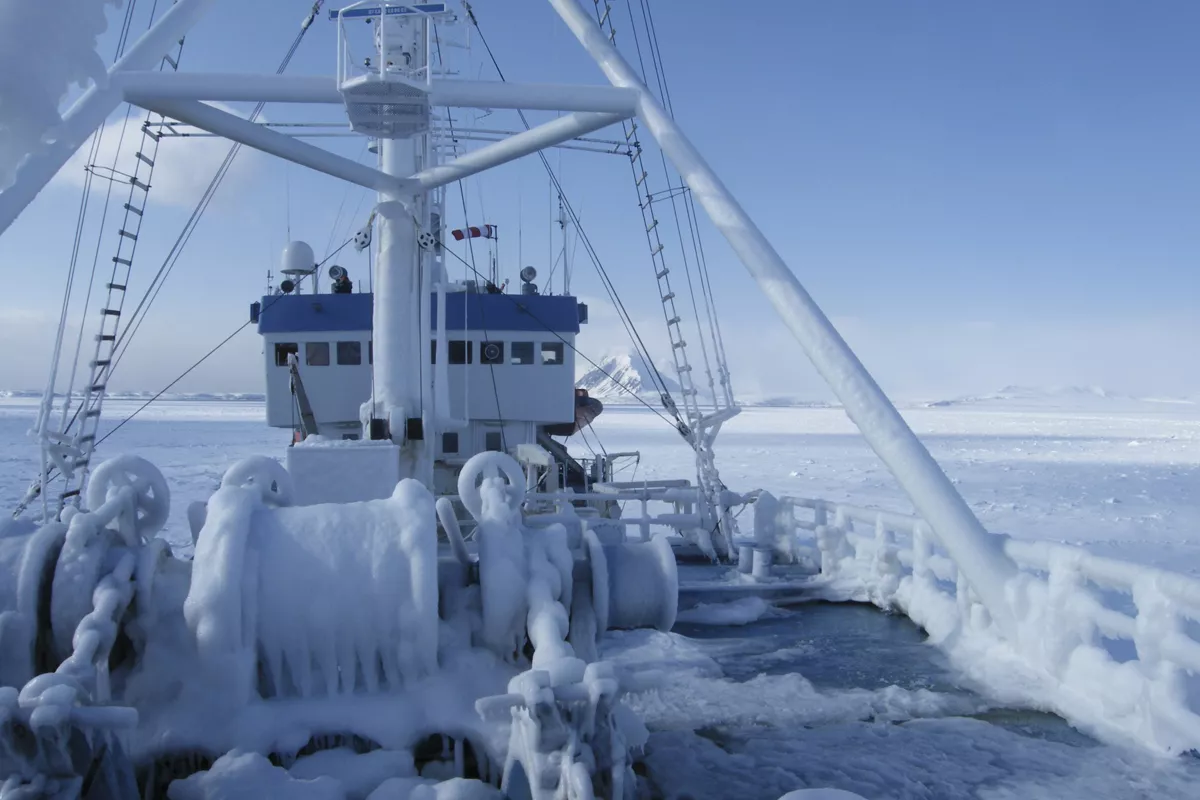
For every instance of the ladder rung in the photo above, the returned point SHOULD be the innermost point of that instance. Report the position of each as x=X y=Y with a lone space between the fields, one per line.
x=632 y=130
x=145 y=159
x=663 y=274
x=106 y=337
x=116 y=287
x=656 y=250
x=689 y=392
x=83 y=462
x=679 y=345
x=174 y=64
x=672 y=321
x=110 y=312
x=87 y=439
x=653 y=225
x=101 y=363
x=143 y=186
x=99 y=387
x=668 y=296
x=686 y=368
x=125 y=261
x=642 y=179
x=134 y=209
x=146 y=130
x=91 y=412
x=127 y=234
x=607 y=10
x=70 y=494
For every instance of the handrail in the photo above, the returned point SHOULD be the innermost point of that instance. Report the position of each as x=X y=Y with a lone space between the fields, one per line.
x=1058 y=601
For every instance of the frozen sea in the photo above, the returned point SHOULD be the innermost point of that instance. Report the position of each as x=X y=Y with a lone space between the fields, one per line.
x=808 y=696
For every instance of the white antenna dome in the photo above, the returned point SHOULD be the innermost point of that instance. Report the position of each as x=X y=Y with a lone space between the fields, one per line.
x=297 y=257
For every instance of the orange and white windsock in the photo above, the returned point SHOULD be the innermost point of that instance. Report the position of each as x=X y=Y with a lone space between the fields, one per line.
x=481 y=232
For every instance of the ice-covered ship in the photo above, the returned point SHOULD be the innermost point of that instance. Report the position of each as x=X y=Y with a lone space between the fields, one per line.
x=414 y=601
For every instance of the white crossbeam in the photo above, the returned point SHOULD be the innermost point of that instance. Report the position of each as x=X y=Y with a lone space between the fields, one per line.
x=233 y=87
x=522 y=144
x=248 y=133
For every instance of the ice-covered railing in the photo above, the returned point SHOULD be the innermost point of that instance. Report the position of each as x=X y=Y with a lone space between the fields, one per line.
x=1112 y=646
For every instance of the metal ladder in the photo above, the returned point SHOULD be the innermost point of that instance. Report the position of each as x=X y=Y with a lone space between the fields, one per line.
x=108 y=337
x=695 y=426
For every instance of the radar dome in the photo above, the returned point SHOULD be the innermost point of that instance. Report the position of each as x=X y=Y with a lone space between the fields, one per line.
x=297 y=257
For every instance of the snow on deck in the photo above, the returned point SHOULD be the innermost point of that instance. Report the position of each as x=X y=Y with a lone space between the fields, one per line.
x=836 y=708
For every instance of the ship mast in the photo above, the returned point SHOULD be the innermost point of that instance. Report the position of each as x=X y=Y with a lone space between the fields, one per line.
x=401 y=279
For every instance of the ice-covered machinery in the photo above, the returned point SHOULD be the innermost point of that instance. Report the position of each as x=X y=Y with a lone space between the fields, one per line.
x=344 y=630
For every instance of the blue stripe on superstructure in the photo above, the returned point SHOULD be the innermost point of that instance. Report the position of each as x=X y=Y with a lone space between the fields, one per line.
x=464 y=311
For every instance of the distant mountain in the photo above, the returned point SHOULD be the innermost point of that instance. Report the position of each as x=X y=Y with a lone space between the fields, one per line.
x=785 y=401
x=1060 y=397
x=631 y=372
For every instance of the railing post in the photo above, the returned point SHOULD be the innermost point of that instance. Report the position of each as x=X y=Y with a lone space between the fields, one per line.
x=1157 y=621
x=921 y=553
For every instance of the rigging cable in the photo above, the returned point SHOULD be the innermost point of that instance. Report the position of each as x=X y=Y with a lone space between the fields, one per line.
x=626 y=319
x=210 y=353
x=671 y=194
x=176 y=251
x=714 y=319
x=81 y=217
x=525 y=310
x=471 y=248
x=156 y=284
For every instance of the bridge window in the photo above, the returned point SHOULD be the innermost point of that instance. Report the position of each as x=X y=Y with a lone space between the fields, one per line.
x=316 y=354
x=460 y=351
x=283 y=350
x=492 y=440
x=450 y=442
x=349 y=354
x=491 y=353
x=521 y=353
x=552 y=353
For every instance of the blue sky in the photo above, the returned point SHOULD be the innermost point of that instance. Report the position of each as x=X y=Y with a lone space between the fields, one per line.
x=979 y=194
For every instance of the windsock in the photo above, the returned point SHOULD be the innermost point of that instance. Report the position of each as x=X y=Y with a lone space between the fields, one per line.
x=481 y=232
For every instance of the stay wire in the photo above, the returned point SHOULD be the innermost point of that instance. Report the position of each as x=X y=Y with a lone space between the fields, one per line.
x=626 y=319
x=660 y=79
x=211 y=352
x=525 y=310
x=462 y=193
x=693 y=222
x=81 y=217
x=176 y=251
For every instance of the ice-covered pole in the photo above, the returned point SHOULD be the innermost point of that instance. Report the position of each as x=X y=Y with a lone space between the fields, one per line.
x=89 y=111
x=978 y=554
x=401 y=330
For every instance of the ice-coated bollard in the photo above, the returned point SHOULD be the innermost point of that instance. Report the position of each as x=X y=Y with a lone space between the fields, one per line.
x=745 y=558
x=762 y=563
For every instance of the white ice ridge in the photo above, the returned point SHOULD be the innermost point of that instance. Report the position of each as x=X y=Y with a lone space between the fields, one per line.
x=336 y=598
x=1108 y=645
x=41 y=58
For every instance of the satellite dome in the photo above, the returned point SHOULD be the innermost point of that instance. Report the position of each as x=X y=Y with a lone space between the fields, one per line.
x=297 y=257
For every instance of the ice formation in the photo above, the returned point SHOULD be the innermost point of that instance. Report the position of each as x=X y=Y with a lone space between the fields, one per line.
x=39 y=63
x=1106 y=644
x=333 y=598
